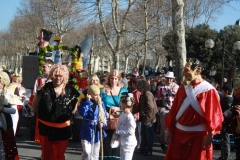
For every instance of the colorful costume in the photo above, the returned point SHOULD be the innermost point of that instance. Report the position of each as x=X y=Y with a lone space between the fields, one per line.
x=54 y=114
x=195 y=112
x=111 y=153
x=10 y=103
x=90 y=134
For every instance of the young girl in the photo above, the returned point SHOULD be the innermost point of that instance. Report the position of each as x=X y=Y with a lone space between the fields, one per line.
x=126 y=128
x=94 y=116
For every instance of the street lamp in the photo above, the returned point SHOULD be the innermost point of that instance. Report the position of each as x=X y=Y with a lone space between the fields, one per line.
x=236 y=46
x=209 y=44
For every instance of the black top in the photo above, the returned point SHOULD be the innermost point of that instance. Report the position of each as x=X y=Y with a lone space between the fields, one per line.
x=56 y=109
x=226 y=103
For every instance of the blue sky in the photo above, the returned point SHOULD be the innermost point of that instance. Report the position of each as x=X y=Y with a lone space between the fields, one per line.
x=228 y=17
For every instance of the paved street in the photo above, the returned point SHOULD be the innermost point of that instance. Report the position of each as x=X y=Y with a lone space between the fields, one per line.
x=28 y=150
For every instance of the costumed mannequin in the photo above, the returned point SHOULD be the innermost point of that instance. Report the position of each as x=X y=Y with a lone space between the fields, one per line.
x=8 y=105
x=44 y=38
x=56 y=54
x=77 y=60
x=195 y=117
x=20 y=91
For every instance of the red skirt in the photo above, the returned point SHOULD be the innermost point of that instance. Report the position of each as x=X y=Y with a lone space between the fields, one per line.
x=37 y=136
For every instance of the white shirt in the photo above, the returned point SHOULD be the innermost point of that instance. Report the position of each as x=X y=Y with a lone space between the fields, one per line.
x=126 y=130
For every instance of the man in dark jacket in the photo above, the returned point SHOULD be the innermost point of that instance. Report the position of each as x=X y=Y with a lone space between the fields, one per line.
x=226 y=104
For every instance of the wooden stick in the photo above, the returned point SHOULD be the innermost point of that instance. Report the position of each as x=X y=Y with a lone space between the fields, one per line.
x=101 y=141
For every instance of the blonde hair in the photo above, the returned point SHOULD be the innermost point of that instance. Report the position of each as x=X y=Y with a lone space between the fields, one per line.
x=102 y=117
x=59 y=70
x=116 y=73
x=4 y=78
x=95 y=77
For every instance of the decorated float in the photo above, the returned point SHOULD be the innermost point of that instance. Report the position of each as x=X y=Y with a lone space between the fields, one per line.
x=80 y=57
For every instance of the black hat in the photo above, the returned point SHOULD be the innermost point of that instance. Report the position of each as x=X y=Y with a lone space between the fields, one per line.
x=47 y=34
x=227 y=87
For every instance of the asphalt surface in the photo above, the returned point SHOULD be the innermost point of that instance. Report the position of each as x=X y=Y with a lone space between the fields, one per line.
x=28 y=150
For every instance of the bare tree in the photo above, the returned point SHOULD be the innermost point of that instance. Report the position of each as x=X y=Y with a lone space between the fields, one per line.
x=59 y=15
x=118 y=24
x=204 y=10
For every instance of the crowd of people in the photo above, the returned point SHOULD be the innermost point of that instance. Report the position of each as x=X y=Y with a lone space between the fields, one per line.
x=185 y=116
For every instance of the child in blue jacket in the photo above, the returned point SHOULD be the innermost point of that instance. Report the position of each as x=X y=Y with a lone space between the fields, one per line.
x=94 y=116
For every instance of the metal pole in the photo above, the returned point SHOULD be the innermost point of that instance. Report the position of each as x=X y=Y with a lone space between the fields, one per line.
x=223 y=53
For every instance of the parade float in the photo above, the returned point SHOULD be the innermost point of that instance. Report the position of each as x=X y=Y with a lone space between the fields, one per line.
x=78 y=63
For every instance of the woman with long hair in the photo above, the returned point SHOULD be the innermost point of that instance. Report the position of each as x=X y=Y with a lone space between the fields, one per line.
x=147 y=109
x=8 y=106
x=111 y=94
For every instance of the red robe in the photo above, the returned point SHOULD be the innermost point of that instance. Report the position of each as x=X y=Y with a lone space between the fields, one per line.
x=187 y=145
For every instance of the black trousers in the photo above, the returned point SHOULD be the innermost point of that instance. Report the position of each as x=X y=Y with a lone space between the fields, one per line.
x=147 y=133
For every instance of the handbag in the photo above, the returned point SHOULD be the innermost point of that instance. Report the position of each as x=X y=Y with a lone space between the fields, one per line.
x=113 y=118
x=115 y=141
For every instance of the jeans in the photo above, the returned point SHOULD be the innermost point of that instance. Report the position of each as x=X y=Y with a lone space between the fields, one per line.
x=225 y=145
x=147 y=132
x=163 y=114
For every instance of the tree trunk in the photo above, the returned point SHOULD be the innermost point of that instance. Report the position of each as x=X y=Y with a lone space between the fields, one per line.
x=179 y=37
x=146 y=37
x=126 y=63
x=119 y=28
x=138 y=62
x=157 y=63
x=96 y=64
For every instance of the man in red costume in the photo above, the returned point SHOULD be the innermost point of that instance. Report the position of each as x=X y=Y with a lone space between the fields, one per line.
x=195 y=117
